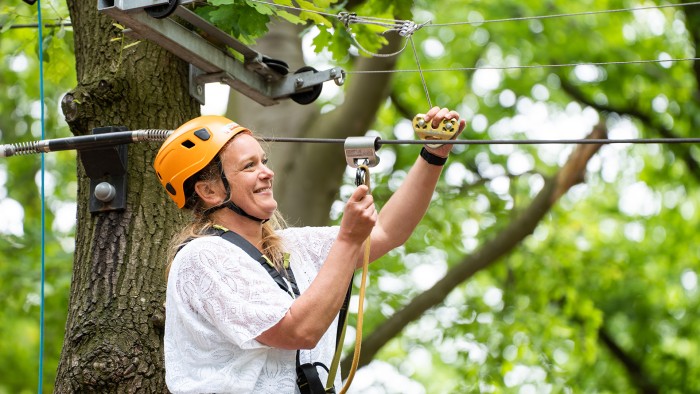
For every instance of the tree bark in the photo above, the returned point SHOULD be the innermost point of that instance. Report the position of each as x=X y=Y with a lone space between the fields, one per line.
x=113 y=340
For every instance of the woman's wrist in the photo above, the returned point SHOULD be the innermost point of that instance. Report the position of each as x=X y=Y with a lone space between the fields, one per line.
x=432 y=158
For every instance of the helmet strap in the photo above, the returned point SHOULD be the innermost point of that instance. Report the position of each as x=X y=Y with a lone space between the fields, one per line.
x=235 y=208
x=227 y=201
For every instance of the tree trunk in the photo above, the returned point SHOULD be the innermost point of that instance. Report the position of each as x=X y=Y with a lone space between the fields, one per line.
x=113 y=341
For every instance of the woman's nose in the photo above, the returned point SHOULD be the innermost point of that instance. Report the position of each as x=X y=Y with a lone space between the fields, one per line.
x=267 y=171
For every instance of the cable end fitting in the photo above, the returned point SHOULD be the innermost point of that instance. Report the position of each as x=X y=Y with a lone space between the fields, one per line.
x=6 y=151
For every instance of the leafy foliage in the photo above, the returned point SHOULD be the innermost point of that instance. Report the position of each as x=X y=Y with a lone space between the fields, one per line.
x=603 y=277
x=20 y=179
x=603 y=297
x=247 y=20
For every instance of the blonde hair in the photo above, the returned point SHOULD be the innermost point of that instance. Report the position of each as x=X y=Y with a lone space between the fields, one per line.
x=202 y=223
x=202 y=226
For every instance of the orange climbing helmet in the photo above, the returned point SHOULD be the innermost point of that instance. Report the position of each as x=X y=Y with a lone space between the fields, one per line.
x=189 y=149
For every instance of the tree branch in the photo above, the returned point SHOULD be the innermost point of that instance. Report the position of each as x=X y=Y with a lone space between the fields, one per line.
x=692 y=14
x=634 y=369
x=572 y=173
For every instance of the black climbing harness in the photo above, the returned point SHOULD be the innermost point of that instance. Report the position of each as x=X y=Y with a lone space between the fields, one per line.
x=308 y=380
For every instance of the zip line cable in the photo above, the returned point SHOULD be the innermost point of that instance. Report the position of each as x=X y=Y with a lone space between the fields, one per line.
x=406 y=29
x=571 y=141
x=388 y=22
x=378 y=21
x=420 y=71
x=42 y=306
x=398 y=25
x=565 y=15
x=158 y=135
x=36 y=25
x=533 y=66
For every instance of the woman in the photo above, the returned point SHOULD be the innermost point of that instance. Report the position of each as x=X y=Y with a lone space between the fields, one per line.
x=229 y=326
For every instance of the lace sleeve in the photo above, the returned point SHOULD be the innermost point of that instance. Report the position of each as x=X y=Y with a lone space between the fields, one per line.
x=233 y=294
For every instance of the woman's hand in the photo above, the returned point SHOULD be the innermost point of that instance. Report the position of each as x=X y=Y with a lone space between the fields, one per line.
x=435 y=116
x=359 y=217
x=309 y=317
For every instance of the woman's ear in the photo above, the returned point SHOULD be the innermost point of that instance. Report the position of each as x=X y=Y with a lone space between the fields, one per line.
x=211 y=192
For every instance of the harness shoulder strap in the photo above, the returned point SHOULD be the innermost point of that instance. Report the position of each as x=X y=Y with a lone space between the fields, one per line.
x=242 y=243
x=308 y=380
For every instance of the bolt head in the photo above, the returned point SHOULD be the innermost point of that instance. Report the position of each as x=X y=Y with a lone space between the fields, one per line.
x=105 y=192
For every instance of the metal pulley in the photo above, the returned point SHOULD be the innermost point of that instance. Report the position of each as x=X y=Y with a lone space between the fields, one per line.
x=361 y=151
x=162 y=10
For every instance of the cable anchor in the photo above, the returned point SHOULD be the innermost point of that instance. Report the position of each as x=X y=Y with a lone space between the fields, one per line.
x=106 y=166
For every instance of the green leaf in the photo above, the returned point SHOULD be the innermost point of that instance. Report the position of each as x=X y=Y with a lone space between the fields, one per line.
x=308 y=5
x=317 y=18
x=7 y=21
x=132 y=44
x=261 y=8
x=290 y=17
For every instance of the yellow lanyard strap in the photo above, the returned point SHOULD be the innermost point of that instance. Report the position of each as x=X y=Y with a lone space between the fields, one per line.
x=360 y=314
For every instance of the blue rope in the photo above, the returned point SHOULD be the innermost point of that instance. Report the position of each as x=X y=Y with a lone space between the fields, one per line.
x=43 y=207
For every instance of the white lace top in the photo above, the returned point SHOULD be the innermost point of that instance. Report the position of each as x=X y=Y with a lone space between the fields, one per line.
x=219 y=299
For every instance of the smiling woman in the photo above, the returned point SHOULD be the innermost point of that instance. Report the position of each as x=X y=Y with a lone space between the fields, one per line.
x=251 y=306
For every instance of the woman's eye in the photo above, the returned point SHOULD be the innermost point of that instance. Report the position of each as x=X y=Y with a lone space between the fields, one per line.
x=265 y=160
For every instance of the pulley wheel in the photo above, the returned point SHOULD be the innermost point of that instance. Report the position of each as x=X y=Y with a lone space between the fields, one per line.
x=278 y=66
x=163 y=10
x=308 y=96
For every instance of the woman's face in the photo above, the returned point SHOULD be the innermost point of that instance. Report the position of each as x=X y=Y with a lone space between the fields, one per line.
x=245 y=166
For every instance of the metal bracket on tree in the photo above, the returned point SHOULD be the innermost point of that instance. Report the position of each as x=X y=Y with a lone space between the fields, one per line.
x=107 y=169
x=104 y=157
x=265 y=80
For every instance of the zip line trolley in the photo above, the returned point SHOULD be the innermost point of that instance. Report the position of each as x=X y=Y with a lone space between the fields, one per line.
x=261 y=78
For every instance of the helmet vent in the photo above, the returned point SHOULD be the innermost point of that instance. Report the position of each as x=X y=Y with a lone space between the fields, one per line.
x=188 y=144
x=170 y=189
